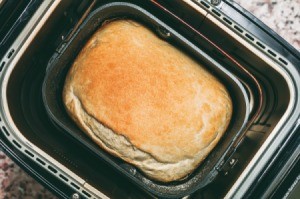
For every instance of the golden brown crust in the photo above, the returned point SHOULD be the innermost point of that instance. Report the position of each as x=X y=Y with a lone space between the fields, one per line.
x=148 y=92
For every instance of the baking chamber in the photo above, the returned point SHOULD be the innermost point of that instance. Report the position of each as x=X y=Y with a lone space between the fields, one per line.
x=262 y=79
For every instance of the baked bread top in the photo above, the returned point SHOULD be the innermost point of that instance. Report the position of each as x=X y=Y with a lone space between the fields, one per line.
x=145 y=101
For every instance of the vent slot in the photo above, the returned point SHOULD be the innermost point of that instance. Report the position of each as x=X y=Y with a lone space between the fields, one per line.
x=260 y=45
x=11 y=52
x=283 y=61
x=52 y=169
x=205 y=4
x=86 y=193
x=5 y=131
x=272 y=53
x=238 y=28
x=40 y=161
x=249 y=37
x=17 y=144
x=227 y=20
x=216 y=12
x=63 y=177
x=2 y=66
x=74 y=185
x=29 y=153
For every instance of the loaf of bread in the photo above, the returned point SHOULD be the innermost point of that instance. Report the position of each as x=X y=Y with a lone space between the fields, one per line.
x=145 y=101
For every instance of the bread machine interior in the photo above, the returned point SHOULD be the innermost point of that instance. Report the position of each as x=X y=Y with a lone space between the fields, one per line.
x=38 y=126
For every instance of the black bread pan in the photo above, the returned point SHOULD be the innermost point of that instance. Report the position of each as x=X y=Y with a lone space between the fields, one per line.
x=63 y=59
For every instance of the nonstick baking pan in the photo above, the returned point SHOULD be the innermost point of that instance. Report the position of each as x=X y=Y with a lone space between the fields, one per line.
x=61 y=61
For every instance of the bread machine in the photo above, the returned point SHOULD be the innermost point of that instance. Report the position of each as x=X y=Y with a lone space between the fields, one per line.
x=259 y=154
